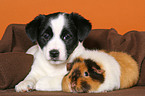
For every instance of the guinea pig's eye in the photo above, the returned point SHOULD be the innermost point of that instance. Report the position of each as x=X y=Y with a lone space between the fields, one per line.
x=86 y=74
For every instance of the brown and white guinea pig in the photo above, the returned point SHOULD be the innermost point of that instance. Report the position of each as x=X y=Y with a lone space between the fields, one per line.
x=99 y=71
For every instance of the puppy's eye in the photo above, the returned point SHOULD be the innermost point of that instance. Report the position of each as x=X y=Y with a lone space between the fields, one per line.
x=86 y=74
x=67 y=37
x=46 y=36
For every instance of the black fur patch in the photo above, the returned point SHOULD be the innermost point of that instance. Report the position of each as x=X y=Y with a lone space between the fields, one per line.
x=45 y=37
x=76 y=60
x=75 y=74
x=71 y=40
x=94 y=75
x=85 y=86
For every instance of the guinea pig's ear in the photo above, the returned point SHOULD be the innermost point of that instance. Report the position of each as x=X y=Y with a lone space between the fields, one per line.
x=33 y=27
x=69 y=66
x=83 y=26
x=99 y=71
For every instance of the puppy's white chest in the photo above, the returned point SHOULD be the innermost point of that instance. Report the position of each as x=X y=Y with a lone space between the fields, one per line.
x=48 y=83
x=50 y=75
x=49 y=69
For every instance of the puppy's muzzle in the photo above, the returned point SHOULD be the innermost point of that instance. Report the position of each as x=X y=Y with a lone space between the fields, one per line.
x=54 y=54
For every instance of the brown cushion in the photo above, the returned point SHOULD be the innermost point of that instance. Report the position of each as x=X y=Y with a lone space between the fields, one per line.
x=13 y=68
x=15 y=39
x=135 y=91
x=14 y=63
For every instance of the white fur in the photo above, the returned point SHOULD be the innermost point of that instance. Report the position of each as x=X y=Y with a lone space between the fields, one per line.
x=56 y=42
x=111 y=67
x=32 y=50
x=58 y=24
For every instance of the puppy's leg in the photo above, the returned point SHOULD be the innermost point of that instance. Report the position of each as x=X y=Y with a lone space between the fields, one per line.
x=25 y=86
x=50 y=83
x=29 y=82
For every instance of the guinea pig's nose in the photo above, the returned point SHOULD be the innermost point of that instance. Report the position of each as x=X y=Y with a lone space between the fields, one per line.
x=73 y=84
x=54 y=53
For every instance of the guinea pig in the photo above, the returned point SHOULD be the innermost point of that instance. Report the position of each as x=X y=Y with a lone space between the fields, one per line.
x=100 y=71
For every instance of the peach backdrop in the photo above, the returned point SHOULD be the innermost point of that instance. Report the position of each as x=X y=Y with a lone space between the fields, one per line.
x=123 y=15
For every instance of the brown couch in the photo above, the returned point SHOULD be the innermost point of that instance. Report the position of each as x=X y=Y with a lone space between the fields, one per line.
x=15 y=64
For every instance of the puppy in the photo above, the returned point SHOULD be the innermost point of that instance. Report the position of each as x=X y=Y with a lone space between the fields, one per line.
x=59 y=39
x=97 y=71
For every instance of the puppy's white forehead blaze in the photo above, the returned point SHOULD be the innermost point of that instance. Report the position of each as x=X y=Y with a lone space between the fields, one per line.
x=57 y=24
x=56 y=42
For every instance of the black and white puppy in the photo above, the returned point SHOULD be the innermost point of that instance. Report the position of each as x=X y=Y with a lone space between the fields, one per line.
x=59 y=39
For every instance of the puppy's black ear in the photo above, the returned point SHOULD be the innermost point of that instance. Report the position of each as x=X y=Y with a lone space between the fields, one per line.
x=83 y=26
x=33 y=27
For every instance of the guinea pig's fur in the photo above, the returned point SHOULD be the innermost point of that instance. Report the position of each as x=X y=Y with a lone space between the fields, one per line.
x=100 y=71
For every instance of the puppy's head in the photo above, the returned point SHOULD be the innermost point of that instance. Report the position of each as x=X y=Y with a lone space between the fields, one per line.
x=58 y=34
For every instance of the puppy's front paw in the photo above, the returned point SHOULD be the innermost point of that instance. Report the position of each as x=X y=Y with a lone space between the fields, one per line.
x=24 y=86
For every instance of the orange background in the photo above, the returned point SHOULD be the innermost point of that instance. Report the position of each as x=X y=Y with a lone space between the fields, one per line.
x=123 y=15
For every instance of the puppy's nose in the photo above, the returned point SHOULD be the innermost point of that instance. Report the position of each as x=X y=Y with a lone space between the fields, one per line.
x=54 y=53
